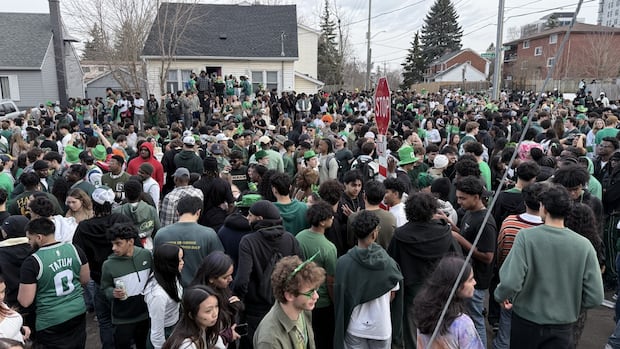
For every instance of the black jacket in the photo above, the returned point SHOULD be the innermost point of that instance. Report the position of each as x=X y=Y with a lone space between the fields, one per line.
x=417 y=247
x=91 y=236
x=12 y=254
x=235 y=227
x=256 y=251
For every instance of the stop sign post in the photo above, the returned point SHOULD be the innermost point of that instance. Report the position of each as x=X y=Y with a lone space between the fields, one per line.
x=383 y=113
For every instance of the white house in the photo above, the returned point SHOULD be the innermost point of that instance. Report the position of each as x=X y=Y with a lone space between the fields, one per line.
x=262 y=42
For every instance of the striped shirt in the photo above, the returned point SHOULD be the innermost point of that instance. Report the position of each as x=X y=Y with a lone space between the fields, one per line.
x=510 y=227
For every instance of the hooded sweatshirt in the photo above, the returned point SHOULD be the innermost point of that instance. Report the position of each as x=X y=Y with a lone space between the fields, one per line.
x=364 y=274
x=158 y=170
x=91 y=236
x=144 y=217
x=235 y=227
x=13 y=251
x=417 y=247
x=190 y=160
x=134 y=271
x=256 y=262
x=293 y=216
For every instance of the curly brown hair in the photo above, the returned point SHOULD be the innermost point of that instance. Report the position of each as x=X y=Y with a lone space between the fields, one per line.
x=306 y=178
x=281 y=282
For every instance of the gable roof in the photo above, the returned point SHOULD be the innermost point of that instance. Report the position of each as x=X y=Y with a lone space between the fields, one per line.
x=24 y=40
x=582 y=28
x=228 y=31
x=454 y=67
x=448 y=56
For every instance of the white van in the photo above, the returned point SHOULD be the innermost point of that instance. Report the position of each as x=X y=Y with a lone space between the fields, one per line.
x=8 y=110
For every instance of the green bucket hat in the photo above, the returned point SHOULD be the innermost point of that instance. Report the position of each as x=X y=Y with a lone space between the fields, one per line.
x=582 y=109
x=247 y=200
x=406 y=155
x=72 y=154
x=581 y=116
x=99 y=152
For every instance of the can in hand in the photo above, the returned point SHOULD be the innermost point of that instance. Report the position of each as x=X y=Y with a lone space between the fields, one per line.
x=120 y=284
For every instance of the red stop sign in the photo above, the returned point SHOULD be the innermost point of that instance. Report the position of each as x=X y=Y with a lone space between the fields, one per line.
x=383 y=106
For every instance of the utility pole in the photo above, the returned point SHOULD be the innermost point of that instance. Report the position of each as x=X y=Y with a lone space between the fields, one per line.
x=497 y=71
x=368 y=63
x=384 y=68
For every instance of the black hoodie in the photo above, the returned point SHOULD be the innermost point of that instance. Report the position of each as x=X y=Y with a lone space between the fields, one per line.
x=91 y=236
x=253 y=282
x=417 y=247
x=235 y=227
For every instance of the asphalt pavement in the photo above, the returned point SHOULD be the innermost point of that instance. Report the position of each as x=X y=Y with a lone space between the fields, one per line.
x=599 y=325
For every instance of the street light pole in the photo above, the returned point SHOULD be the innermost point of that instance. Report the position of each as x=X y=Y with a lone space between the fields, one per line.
x=497 y=70
x=368 y=63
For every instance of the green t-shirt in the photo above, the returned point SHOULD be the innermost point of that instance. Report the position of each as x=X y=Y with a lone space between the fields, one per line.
x=485 y=173
x=6 y=183
x=310 y=242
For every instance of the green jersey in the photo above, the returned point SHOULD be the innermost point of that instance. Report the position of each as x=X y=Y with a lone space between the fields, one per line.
x=59 y=292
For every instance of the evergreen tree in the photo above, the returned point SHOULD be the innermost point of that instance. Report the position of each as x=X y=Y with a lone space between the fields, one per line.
x=128 y=42
x=414 y=65
x=441 y=32
x=329 y=59
x=97 y=48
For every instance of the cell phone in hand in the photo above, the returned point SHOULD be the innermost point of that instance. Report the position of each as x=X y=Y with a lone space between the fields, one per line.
x=242 y=329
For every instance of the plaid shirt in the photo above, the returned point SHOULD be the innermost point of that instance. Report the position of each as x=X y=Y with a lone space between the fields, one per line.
x=168 y=213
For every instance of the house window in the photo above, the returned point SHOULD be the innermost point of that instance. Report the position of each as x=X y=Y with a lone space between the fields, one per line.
x=550 y=61
x=101 y=68
x=538 y=51
x=526 y=44
x=553 y=38
x=524 y=65
x=86 y=69
x=268 y=80
x=177 y=79
x=9 y=87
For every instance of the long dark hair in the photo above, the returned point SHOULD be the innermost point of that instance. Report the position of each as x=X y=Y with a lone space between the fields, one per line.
x=581 y=220
x=429 y=302
x=166 y=269
x=214 y=265
x=187 y=328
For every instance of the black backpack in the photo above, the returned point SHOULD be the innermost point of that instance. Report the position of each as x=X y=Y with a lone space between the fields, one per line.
x=367 y=171
x=265 y=283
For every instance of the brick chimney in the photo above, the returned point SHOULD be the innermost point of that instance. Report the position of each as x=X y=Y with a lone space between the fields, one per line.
x=59 y=51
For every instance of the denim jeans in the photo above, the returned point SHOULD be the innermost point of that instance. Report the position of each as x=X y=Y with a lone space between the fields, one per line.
x=614 y=340
x=476 y=308
x=617 y=289
x=502 y=338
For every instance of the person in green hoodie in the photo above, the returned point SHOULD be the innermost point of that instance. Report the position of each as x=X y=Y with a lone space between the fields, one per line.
x=368 y=288
x=123 y=278
x=144 y=216
x=188 y=158
x=293 y=212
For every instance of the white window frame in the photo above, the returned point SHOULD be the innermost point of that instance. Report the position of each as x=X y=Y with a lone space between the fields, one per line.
x=526 y=44
x=13 y=92
x=550 y=61
x=553 y=39
x=264 y=81
x=179 y=79
x=538 y=51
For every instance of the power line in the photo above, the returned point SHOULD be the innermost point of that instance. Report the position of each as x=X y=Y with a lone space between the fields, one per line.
x=384 y=13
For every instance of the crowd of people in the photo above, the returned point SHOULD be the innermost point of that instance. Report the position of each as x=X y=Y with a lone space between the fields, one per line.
x=252 y=220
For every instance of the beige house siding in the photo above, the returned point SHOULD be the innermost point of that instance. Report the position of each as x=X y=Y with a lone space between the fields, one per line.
x=236 y=68
x=308 y=42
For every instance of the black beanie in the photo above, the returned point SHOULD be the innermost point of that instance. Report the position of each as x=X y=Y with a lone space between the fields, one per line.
x=265 y=209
